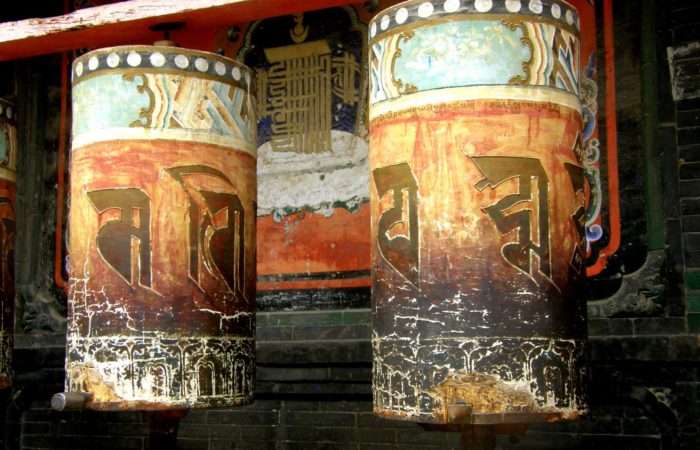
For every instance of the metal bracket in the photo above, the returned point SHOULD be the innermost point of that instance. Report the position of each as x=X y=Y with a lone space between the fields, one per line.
x=166 y=28
x=70 y=401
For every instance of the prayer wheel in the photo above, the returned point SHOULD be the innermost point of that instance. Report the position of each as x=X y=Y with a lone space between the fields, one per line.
x=162 y=230
x=477 y=203
x=8 y=189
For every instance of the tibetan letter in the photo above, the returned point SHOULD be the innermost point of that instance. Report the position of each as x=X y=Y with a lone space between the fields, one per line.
x=401 y=249
x=119 y=240
x=579 y=215
x=496 y=170
x=216 y=226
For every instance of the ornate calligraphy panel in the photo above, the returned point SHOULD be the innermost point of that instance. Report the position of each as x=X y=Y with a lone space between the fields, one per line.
x=312 y=151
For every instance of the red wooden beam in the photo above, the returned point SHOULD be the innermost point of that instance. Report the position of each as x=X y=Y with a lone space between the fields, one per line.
x=129 y=22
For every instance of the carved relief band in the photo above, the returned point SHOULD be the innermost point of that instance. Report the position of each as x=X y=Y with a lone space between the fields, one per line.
x=8 y=190
x=162 y=230
x=478 y=211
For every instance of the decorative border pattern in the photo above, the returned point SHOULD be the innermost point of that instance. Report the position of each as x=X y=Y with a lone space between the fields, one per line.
x=163 y=59
x=451 y=96
x=409 y=385
x=161 y=371
x=529 y=53
x=156 y=92
x=406 y=13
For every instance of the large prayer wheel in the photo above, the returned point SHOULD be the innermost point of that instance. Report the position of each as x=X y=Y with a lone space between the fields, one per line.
x=162 y=230
x=477 y=198
x=8 y=189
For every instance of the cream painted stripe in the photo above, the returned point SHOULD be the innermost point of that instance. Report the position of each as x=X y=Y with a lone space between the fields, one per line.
x=123 y=134
x=7 y=174
x=449 y=95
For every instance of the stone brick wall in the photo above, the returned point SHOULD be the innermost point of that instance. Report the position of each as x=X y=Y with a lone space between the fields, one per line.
x=683 y=125
x=314 y=393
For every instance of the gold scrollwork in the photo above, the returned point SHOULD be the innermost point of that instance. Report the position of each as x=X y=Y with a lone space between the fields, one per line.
x=401 y=87
x=514 y=25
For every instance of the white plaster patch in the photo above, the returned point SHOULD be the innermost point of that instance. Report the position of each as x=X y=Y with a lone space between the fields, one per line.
x=290 y=181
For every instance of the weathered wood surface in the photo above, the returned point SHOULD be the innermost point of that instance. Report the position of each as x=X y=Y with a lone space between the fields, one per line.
x=129 y=22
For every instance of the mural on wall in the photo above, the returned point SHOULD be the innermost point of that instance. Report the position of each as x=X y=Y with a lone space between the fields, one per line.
x=313 y=216
x=162 y=229
x=600 y=161
x=478 y=199
x=8 y=196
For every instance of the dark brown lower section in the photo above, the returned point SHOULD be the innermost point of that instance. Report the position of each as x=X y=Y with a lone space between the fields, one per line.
x=161 y=372
x=478 y=380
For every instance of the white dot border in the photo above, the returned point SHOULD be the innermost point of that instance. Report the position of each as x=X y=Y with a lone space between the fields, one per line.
x=130 y=57
x=408 y=12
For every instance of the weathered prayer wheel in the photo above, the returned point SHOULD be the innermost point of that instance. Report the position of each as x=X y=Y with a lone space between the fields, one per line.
x=162 y=230
x=477 y=196
x=8 y=190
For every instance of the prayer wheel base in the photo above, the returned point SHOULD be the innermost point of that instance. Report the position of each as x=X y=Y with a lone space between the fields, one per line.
x=160 y=373
x=489 y=381
x=486 y=419
x=136 y=405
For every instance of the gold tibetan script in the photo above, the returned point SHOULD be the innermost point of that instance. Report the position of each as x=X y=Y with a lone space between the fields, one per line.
x=296 y=93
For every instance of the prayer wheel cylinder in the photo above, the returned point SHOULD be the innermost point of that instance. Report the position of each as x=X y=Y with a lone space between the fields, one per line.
x=162 y=230
x=8 y=190
x=477 y=196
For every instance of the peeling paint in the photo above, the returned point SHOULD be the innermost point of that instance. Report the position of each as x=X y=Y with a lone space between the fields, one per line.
x=161 y=372
x=161 y=302
x=338 y=177
x=418 y=379
x=478 y=218
x=482 y=393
